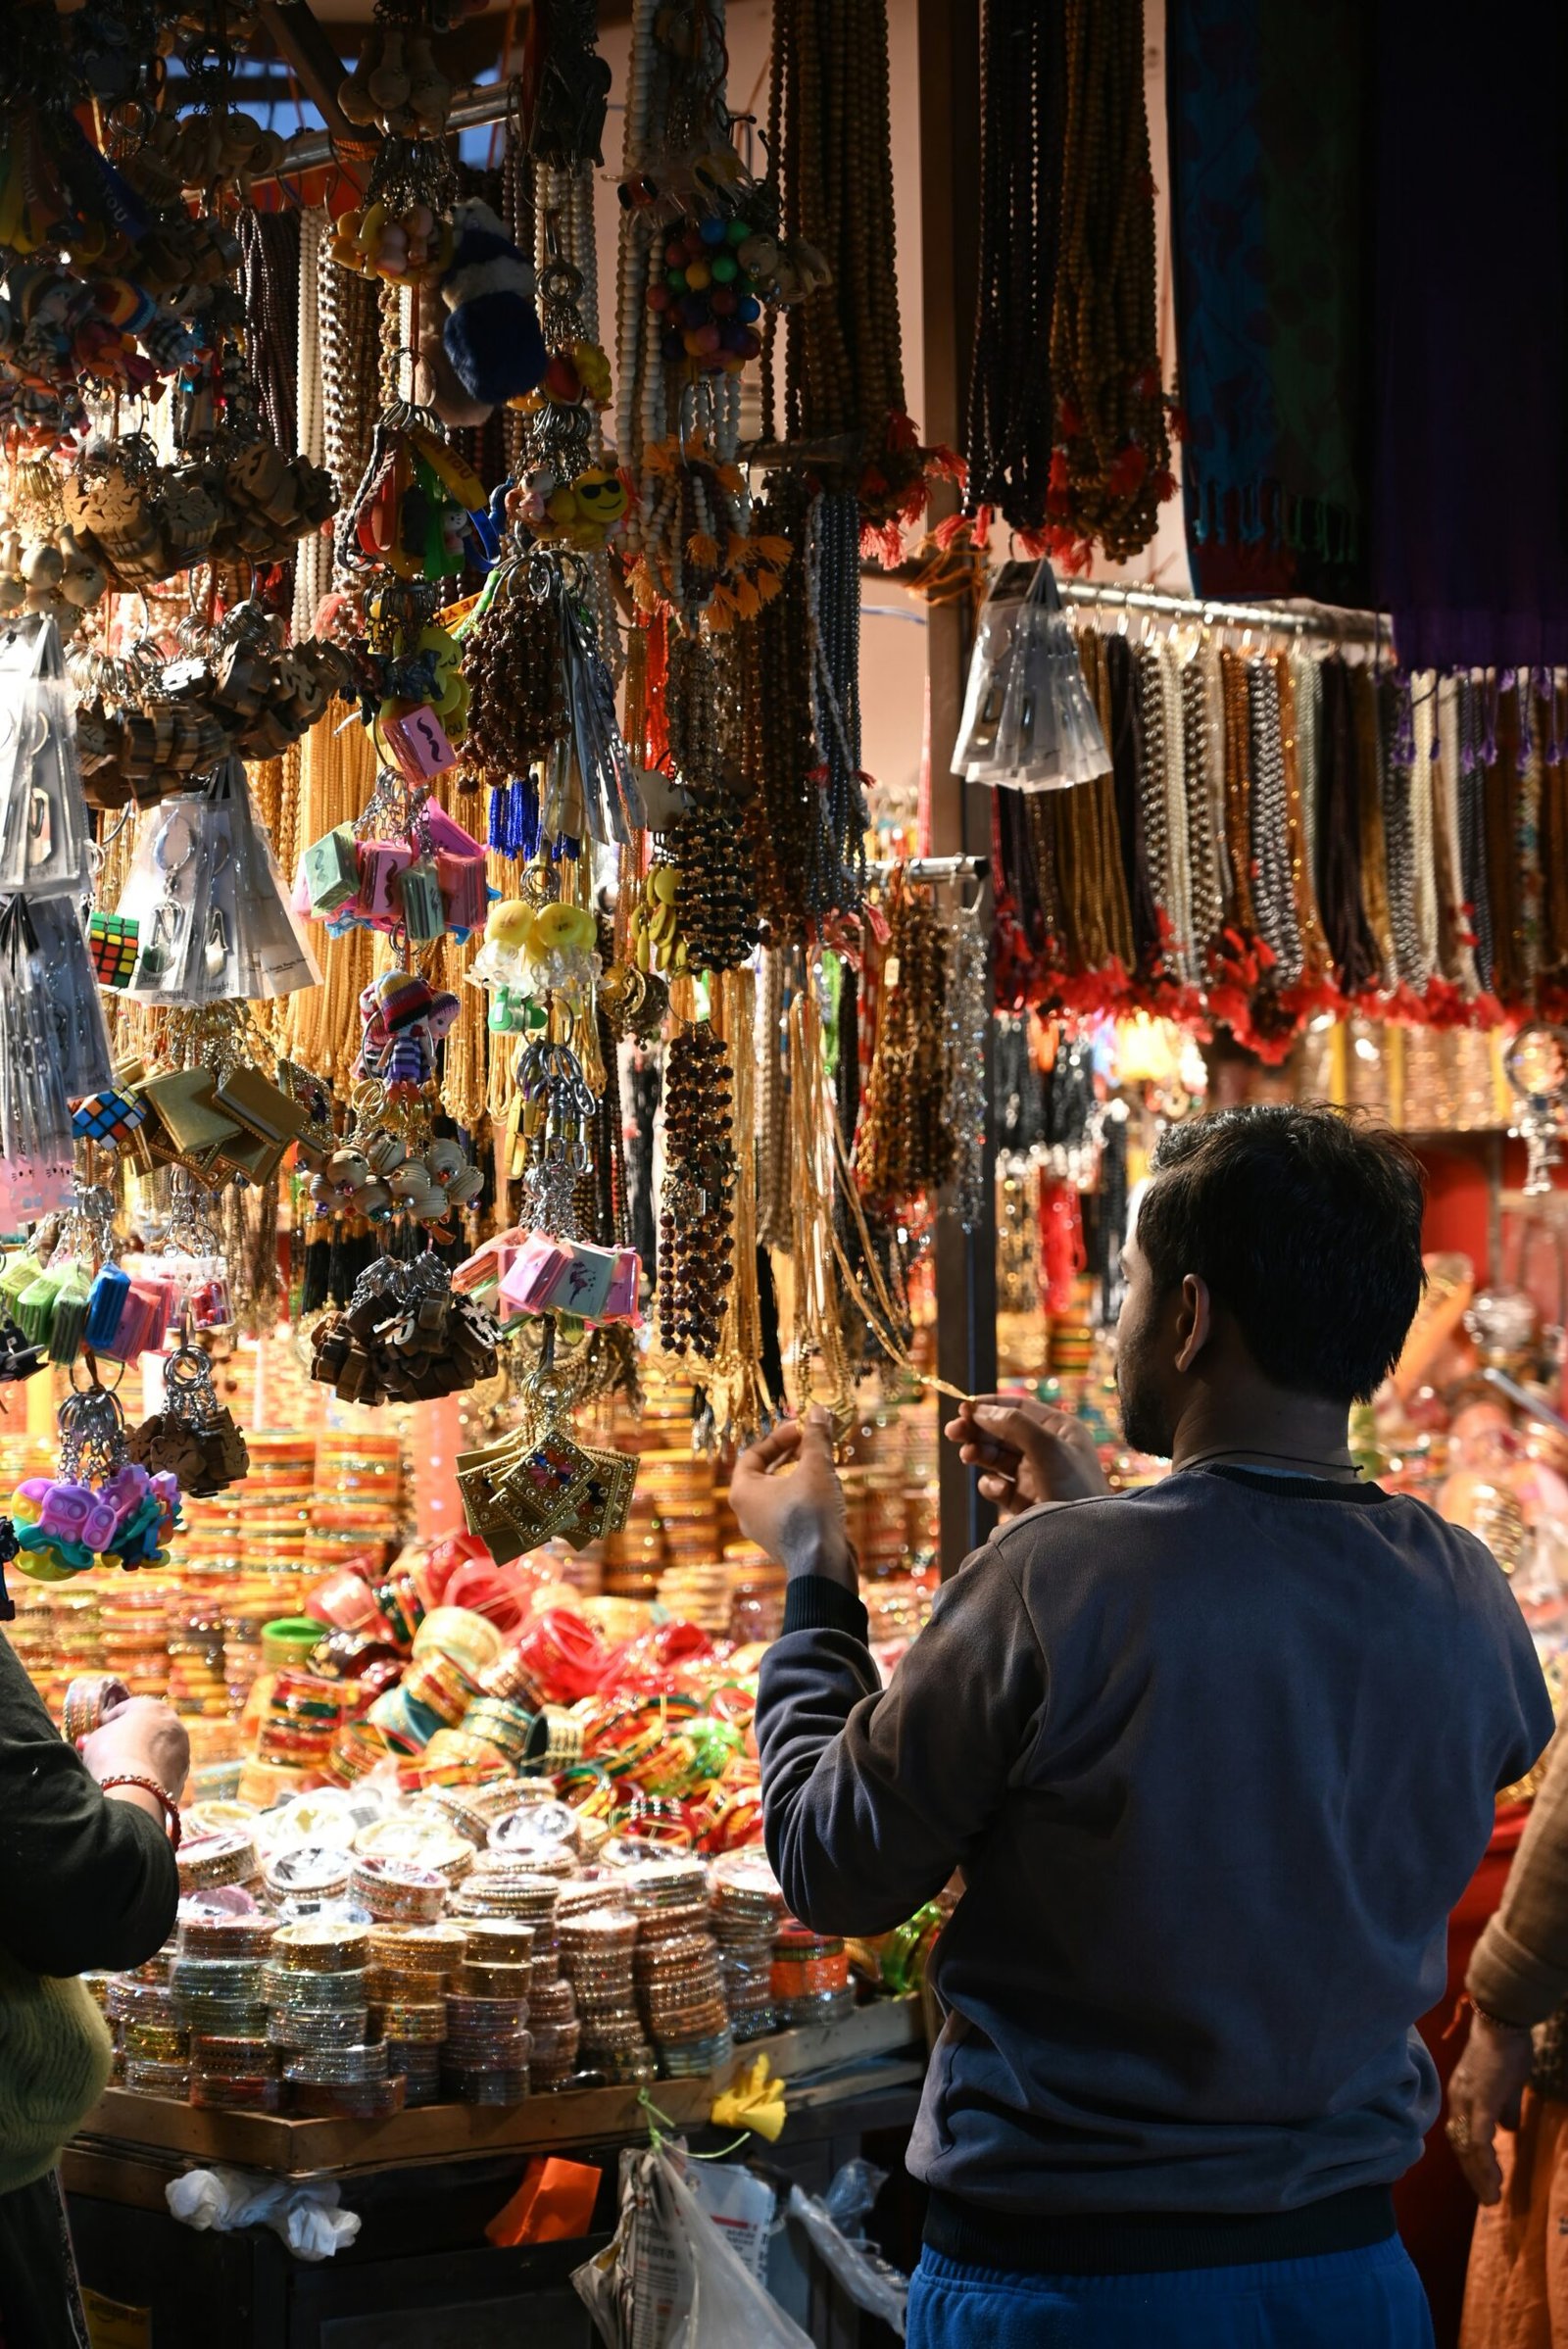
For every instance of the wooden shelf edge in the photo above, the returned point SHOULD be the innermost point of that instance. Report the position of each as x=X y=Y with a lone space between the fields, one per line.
x=187 y=2132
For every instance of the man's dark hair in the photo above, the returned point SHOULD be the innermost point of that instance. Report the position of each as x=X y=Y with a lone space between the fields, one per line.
x=1306 y=1227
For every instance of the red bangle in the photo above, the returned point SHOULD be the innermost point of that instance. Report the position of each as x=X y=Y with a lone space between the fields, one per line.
x=147 y=1785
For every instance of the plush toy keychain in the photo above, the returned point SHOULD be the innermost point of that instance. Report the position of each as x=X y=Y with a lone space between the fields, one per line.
x=492 y=334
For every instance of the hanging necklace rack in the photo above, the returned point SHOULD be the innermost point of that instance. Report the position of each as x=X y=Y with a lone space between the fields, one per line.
x=932 y=868
x=1285 y=619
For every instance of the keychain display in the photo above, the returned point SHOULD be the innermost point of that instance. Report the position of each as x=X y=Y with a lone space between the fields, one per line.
x=405 y=1018
x=556 y=1106
x=146 y=727
x=384 y=1179
x=145 y=521
x=410 y=868
x=565 y=494
x=111 y=943
x=420 y=511
x=193 y=1438
x=532 y=1273
x=534 y=950
x=102 y=1508
x=212 y=1112
x=404 y=1336
x=538 y=1482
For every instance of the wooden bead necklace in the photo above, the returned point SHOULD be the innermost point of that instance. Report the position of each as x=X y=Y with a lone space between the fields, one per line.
x=1112 y=466
x=1009 y=421
x=830 y=139
x=903 y=1148
x=696 y=1241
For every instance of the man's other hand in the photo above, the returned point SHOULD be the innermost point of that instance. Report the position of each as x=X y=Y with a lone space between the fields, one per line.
x=786 y=1493
x=1025 y=1452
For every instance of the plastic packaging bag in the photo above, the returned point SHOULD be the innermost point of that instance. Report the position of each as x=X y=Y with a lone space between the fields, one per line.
x=44 y=836
x=71 y=988
x=36 y=1142
x=669 y=2280
x=988 y=676
x=203 y=889
x=1028 y=721
x=308 y=2217
x=835 y=2224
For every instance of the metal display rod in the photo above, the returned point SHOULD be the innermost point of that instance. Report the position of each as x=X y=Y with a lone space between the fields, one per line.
x=1300 y=619
x=472 y=109
x=931 y=868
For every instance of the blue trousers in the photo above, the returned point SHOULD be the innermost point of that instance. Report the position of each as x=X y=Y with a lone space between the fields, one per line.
x=1343 y=2300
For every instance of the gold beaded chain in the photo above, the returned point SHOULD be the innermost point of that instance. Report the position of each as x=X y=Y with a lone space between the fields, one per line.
x=743 y=1406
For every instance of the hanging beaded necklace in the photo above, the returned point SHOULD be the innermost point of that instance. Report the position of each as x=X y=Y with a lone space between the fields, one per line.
x=1201 y=774
x=1397 y=754
x=1454 y=957
x=830 y=141
x=1009 y=419
x=1273 y=883
x=1112 y=461
x=1369 y=809
x=1314 y=963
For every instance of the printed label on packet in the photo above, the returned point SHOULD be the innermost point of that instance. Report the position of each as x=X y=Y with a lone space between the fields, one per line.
x=419 y=743
x=111 y=2325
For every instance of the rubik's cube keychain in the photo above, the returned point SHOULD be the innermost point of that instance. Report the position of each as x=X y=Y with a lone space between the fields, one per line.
x=110 y=1116
x=111 y=941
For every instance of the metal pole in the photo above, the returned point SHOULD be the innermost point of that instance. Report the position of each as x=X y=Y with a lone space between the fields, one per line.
x=481 y=103
x=947 y=34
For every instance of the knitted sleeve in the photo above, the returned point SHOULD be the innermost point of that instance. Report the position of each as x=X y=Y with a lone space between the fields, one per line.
x=84 y=1881
x=1520 y=1968
x=873 y=1796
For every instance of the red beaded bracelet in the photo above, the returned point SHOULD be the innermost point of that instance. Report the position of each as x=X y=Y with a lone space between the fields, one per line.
x=147 y=1785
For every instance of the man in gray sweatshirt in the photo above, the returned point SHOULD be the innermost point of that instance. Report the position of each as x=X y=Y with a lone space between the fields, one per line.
x=1214 y=1760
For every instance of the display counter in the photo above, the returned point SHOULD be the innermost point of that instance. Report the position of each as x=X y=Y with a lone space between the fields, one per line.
x=425 y=2183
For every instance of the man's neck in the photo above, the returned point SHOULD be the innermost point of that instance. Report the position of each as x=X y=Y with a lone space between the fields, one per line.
x=1287 y=1431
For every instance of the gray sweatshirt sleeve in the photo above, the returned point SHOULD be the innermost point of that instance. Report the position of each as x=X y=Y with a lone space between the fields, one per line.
x=871 y=1797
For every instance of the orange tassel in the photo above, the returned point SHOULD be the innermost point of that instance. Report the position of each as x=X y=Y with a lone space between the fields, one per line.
x=702 y=550
x=773 y=549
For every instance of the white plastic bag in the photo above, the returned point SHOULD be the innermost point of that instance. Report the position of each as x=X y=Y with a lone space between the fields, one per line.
x=669 y=2280
x=305 y=2216
x=835 y=2227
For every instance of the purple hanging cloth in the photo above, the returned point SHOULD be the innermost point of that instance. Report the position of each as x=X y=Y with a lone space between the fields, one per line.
x=1471 y=553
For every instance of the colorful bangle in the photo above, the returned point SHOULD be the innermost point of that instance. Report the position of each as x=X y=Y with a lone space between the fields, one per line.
x=147 y=1785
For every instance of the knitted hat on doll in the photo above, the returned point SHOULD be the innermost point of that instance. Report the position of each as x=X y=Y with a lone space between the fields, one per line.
x=492 y=333
x=401 y=997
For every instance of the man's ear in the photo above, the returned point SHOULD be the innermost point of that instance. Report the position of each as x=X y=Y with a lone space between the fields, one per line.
x=1195 y=1321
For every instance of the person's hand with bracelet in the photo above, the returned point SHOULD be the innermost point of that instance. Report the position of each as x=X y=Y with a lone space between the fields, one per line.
x=1485 y=2094
x=140 y=1754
